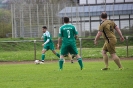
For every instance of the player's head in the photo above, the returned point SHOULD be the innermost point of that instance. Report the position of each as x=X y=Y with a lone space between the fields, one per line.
x=104 y=15
x=44 y=28
x=66 y=20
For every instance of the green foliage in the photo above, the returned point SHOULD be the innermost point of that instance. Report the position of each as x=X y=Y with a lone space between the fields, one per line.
x=48 y=76
x=5 y=22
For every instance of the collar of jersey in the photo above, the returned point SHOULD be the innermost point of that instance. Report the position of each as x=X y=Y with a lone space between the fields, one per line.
x=67 y=24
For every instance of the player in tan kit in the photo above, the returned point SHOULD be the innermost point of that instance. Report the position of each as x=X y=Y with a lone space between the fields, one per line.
x=107 y=28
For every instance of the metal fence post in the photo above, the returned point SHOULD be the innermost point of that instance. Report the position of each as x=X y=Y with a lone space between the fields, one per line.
x=127 y=44
x=80 y=40
x=34 y=49
x=37 y=19
x=30 y=20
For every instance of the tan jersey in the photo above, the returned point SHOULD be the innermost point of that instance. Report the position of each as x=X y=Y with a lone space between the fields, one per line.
x=107 y=27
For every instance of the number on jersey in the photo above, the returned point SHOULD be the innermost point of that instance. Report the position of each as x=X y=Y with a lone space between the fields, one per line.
x=68 y=32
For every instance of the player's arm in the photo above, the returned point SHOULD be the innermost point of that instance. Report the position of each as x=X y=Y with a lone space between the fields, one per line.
x=76 y=33
x=76 y=37
x=97 y=37
x=98 y=34
x=60 y=38
x=48 y=39
x=59 y=42
x=42 y=37
x=120 y=33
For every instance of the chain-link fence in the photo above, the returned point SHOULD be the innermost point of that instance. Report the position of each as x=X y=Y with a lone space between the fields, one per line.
x=28 y=19
x=28 y=16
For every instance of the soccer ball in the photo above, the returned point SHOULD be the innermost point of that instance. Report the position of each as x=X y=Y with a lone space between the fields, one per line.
x=37 y=62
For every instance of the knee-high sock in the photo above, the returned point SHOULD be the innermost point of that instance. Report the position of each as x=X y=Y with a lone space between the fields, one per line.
x=43 y=57
x=58 y=55
x=117 y=61
x=80 y=63
x=61 y=61
x=105 y=58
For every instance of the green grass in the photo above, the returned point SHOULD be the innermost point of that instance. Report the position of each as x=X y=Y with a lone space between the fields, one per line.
x=12 y=45
x=89 y=53
x=47 y=75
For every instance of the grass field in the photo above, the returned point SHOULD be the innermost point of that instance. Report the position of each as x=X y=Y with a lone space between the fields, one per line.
x=86 y=53
x=47 y=75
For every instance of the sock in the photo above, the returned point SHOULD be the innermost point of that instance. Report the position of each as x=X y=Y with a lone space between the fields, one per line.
x=58 y=55
x=43 y=57
x=105 y=58
x=80 y=63
x=61 y=61
x=117 y=61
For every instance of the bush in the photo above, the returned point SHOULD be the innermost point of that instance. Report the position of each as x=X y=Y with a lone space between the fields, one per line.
x=5 y=23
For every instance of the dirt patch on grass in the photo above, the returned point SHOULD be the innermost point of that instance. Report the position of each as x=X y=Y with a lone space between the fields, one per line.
x=54 y=61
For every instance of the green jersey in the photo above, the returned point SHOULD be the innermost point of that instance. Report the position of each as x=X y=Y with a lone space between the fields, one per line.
x=68 y=32
x=47 y=38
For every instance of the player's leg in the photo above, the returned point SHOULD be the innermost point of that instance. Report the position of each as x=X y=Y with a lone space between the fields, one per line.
x=43 y=54
x=64 y=51
x=45 y=48
x=116 y=60
x=73 y=56
x=53 y=50
x=70 y=57
x=64 y=57
x=111 y=48
x=58 y=55
x=79 y=61
x=61 y=61
x=105 y=59
x=105 y=56
x=73 y=50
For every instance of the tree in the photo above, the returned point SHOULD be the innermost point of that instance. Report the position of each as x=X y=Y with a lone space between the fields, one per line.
x=5 y=22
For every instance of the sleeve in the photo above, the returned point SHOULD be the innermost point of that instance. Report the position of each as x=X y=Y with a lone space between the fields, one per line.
x=42 y=37
x=47 y=41
x=48 y=35
x=114 y=24
x=75 y=31
x=60 y=32
x=101 y=28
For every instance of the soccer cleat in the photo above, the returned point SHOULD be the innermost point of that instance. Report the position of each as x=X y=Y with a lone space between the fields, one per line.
x=41 y=62
x=72 y=61
x=121 y=68
x=105 y=69
x=81 y=68
x=60 y=69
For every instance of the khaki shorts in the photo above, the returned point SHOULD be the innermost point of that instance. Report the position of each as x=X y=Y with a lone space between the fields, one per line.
x=110 y=47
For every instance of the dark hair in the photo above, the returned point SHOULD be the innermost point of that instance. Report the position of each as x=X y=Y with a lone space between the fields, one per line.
x=104 y=15
x=66 y=19
x=44 y=27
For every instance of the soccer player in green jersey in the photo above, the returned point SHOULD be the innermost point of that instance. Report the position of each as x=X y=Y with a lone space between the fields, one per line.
x=67 y=34
x=48 y=43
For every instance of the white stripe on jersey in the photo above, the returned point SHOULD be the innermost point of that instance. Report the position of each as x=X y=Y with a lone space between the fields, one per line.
x=46 y=34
